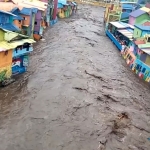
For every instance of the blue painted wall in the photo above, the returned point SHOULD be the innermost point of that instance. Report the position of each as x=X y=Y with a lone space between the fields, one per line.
x=17 y=53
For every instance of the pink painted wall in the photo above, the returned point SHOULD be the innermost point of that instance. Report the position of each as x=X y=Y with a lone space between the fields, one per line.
x=131 y=20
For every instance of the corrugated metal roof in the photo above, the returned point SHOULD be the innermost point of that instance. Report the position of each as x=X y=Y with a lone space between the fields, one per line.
x=147 y=50
x=4 y=45
x=145 y=28
x=10 y=27
x=142 y=46
x=145 y=9
x=127 y=25
x=137 y=13
x=21 y=42
x=126 y=33
x=118 y=25
x=5 y=12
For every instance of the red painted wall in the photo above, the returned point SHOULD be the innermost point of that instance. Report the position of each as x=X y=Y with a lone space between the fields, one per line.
x=55 y=9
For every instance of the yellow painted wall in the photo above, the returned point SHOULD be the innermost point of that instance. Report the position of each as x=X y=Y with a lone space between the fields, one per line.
x=9 y=71
x=147 y=60
x=1 y=35
x=5 y=58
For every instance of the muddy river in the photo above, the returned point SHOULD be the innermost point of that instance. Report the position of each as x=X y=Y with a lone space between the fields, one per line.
x=78 y=91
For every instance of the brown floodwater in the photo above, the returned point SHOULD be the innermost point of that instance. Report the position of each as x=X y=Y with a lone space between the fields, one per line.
x=77 y=91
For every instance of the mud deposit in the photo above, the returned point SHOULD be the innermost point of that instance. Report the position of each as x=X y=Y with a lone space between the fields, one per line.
x=78 y=91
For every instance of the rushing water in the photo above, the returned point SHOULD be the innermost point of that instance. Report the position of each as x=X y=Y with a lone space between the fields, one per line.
x=77 y=91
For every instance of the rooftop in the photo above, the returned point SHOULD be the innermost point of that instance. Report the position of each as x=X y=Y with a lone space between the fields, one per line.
x=5 y=12
x=31 y=4
x=121 y=25
x=28 y=11
x=10 y=27
x=145 y=9
x=142 y=27
x=137 y=13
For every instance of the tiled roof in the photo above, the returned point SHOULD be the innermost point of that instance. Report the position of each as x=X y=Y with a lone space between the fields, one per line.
x=137 y=13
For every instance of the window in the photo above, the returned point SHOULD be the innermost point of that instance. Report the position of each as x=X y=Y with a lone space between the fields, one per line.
x=19 y=21
x=24 y=18
x=137 y=32
x=35 y=22
x=143 y=70
x=6 y=53
x=148 y=39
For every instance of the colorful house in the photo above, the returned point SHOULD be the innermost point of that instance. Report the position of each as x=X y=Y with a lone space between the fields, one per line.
x=21 y=47
x=10 y=7
x=112 y=13
x=138 y=58
x=6 y=50
x=65 y=9
x=141 y=65
x=28 y=15
x=6 y=21
x=137 y=17
x=14 y=50
x=20 y=56
x=17 y=20
x=120 y=33
x=141 y=30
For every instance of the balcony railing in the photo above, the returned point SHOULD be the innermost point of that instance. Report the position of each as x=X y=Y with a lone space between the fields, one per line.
x=19 y=52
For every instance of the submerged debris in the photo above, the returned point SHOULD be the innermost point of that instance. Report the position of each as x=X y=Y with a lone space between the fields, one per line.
x=95 y=76
x=81 y=89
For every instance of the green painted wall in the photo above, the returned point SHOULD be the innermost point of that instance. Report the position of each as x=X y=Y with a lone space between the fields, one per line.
x=141 y=18
x=137 y=33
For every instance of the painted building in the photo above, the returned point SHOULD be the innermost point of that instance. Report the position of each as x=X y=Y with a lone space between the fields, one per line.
x=14 y=50
x=5 y=58
x=20 y=56
x=140 y=31
x=6 y=21
x=18 y=19
x=137 y=17
x=28 y=15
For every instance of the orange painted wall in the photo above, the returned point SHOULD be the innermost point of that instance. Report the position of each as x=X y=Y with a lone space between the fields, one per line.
x=5 y=59
x=27 y=20
x=18 y=24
